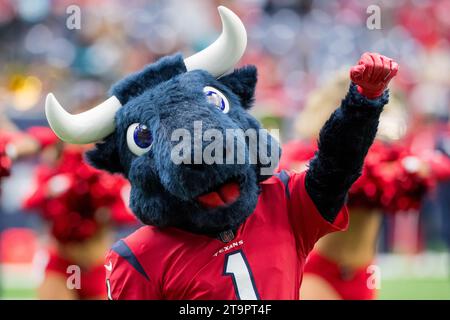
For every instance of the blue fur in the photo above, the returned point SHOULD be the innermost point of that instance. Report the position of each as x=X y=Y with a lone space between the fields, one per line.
x=165 y=97
x=242 y=82
x=343 y=144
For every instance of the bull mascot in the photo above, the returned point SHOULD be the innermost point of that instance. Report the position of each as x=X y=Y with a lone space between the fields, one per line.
x=219 y=230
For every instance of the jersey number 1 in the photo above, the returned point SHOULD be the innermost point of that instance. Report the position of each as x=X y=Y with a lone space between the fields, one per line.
x=237 y=267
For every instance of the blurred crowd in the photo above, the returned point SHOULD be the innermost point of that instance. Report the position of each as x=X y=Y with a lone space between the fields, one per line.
x=297 y=45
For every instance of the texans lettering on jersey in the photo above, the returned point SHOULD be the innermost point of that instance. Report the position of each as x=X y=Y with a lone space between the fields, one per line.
x=264 y=260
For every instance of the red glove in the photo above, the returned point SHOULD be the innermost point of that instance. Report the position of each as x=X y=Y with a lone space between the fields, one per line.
x=373 y=73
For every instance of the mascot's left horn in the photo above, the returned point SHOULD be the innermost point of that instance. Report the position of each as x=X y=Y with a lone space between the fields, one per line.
x=97 y=123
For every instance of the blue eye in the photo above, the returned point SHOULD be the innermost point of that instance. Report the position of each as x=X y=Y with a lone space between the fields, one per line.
x=216 y=98
x=142 y=136
x=139 y=139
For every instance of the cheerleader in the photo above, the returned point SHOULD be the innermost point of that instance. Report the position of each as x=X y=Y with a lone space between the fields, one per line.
x=5 y=161
x=393 y=180
x=15 y=144
x=80 y=205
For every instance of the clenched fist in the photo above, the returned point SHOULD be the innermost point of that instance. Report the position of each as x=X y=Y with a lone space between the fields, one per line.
x=373 y=73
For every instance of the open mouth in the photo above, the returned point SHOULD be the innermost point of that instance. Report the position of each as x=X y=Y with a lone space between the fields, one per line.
x=222 y=196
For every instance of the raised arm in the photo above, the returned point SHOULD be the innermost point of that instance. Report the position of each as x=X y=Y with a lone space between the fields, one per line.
x=348 y=134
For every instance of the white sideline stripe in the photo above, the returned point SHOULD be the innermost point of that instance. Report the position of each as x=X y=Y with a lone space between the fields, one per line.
x=428 y=265
x=18 y=276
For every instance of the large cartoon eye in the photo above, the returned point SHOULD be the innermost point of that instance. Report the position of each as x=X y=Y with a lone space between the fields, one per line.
x=217 y=99
x=139 y=139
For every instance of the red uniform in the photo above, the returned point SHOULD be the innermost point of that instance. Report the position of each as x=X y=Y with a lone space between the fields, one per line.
x=5 y=162
x=44 y=136
x=92 y=279
x=350 y=284
x=70 y=194
x=386 y=183
x=265 y=259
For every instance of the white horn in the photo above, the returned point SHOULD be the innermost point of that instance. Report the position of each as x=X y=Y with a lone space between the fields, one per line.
x=87 y=127
x=97 y=123
x=221 y=56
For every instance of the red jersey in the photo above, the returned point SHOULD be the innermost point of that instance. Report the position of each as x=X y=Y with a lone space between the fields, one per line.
x=265 y=259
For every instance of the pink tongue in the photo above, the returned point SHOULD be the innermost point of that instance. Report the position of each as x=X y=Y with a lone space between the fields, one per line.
x=226 y=194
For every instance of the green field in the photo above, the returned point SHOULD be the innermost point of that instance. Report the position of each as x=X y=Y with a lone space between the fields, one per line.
x=438 y=289
x=390 y=289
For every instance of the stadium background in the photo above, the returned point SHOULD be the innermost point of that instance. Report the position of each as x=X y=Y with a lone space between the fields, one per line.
x=296 y=45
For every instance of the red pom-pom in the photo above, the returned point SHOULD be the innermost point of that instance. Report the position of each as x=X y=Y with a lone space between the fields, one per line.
x=5 y=162
x=391 y=179
x=44 y=135
x=78 y=199
x=296 y=155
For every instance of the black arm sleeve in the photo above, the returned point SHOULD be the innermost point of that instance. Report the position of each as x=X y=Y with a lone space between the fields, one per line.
x=343 y=144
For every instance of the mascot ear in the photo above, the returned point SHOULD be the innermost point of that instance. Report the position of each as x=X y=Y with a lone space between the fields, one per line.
x=243 y=83
x=105 y=156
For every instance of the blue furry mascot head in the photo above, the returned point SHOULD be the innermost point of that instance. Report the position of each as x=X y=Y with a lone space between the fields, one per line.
x=156 y=123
